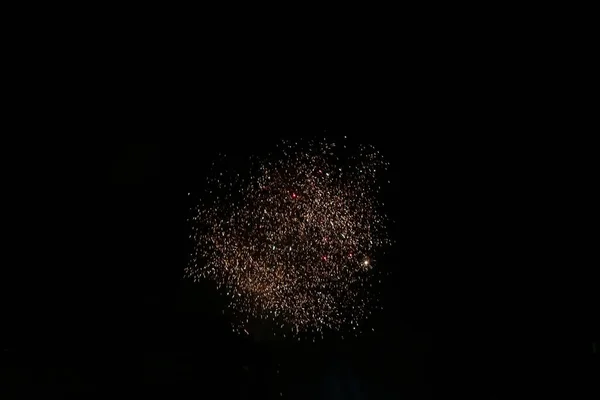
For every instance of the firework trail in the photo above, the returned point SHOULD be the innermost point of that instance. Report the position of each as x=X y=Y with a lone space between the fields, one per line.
x=294 y=242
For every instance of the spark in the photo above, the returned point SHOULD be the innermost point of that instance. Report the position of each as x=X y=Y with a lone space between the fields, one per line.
x=293 y=241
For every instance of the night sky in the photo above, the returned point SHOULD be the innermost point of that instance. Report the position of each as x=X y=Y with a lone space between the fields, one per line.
x=104 y=139
x=105 y=304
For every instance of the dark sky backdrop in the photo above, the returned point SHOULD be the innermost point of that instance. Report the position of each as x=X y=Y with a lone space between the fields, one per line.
x=105 y=303
x=96 y=233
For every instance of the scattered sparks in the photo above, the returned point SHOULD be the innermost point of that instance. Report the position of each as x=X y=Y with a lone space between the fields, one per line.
x=294 y=242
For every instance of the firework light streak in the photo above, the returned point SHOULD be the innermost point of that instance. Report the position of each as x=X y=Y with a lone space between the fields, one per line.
x=293 y=242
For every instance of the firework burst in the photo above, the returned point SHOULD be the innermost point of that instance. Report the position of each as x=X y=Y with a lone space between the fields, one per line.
x=294 y=241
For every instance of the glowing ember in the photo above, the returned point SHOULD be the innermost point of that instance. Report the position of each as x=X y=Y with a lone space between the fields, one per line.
x=301 y=258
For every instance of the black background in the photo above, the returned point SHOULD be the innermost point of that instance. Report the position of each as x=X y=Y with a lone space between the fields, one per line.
x=96 y=295
x=104 y=137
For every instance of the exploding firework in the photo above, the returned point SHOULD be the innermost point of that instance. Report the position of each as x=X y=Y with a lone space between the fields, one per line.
x=294 y=242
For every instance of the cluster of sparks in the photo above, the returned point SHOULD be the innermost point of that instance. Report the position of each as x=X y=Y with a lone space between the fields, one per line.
x=294 y=243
